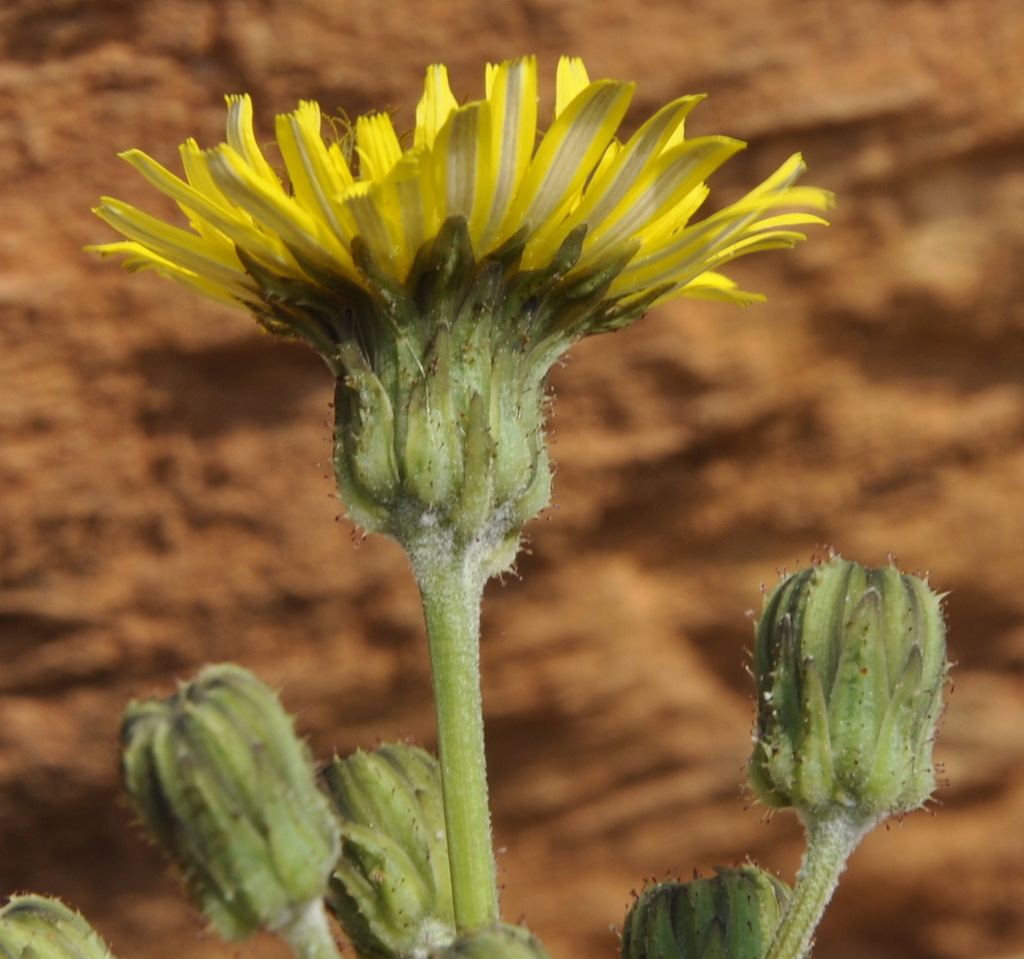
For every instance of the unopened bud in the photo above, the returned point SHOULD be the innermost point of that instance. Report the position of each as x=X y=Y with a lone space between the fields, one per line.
x=391 y=889
x=849 y=666
x=732 y=915
x=224 y=785
x=34 y=927
x=499 y=941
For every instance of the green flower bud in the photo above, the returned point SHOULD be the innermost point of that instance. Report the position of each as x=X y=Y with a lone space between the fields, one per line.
x=499 y=941
x=33 y=927
x=391 y=889
x=849 y=666
x=733 y=915
x=224 y=785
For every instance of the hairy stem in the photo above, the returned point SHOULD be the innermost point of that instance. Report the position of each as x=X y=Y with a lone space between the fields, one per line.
x=830 y=841
x=451 y=588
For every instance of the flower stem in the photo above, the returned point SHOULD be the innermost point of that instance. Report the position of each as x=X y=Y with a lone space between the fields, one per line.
x=451 y=588
x=830 y=841
x=309 y=935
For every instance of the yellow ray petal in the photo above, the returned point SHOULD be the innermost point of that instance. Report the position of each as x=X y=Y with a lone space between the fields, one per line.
x=571 y=80
x=315 y=180
x=463 y=166
x=140 y=257
x=407 y=200
x=377 y=145
x=704 y=245
x=210 y=208
x=683 y=253
x=274 y=210
x=434 y=107
x=611 y=183
x=377 y=225
x=512 y=95
x=242 y=139
x=665 y=228
x=566 y=157
x=339 y=164
x=662 y=190
x=195 y=254
x=197 y=173
x=713 y=286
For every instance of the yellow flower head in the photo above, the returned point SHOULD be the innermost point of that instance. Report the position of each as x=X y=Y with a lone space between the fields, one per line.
x=441 y=278
x=484 y=162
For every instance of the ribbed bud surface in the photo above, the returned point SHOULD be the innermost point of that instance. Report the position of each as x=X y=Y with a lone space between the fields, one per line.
x=849 y=666
x=499 y=941
x=732 y=915
x=391 y=889
x=34 y=927
x=224 y=785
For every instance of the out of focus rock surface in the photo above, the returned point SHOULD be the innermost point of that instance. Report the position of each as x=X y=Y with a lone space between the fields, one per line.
x=164 y=499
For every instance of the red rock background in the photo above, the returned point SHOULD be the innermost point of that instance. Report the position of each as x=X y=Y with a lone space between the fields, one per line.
x=164 y=499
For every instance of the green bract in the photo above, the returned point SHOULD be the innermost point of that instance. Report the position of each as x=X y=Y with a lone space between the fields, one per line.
x=33 y=927
x=224 y=785
x=849 y=665
x=732 y=915
x=440 y=418
x=391 y=889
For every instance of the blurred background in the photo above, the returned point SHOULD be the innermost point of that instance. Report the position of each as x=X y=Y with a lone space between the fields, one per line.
x=165 y=498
